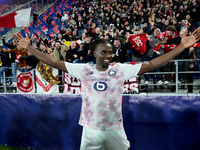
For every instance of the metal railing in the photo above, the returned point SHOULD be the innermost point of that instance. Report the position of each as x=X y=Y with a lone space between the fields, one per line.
x=176 y=72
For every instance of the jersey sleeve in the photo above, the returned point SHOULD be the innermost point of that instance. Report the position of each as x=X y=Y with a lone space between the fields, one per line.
x=129 y=70
x=74 y=69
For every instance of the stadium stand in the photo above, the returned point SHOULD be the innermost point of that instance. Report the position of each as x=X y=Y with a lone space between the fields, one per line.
x=147 y=26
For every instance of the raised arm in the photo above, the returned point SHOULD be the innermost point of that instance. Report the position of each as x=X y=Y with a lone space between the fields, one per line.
x=186 y=42
x=25 y=43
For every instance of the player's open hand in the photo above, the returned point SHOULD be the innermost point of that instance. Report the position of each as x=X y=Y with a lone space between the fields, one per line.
x=188 y=41
x=23 y=42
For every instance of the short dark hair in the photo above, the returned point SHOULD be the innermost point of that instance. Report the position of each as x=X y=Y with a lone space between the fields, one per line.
x=95 y=43
x=57 y=42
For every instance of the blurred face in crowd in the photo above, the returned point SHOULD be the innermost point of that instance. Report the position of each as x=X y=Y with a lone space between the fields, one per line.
x=101 y=37
x=93 y=25
x=170 y=33
x=81 y=46
x=166 y=22
x=183 y=22
x=49 y=50
x=187 y=17
x=74 y=33
x=106 y=37
x=57 y=45
x=19 y=47
x=163 y=20
x=73 y=44
x=168 y=17
x=117 y=43
x=59 y=36
x=42 y=47
x=87 y=39
x=174 y=21
x=98 y=30
x=156 y=33
x=85 y=31
x=83 y=35
x=182 y=32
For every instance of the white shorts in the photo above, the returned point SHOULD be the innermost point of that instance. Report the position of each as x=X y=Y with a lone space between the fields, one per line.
x=104 y=140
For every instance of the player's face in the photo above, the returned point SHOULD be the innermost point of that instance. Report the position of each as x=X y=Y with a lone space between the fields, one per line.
x=103 y=54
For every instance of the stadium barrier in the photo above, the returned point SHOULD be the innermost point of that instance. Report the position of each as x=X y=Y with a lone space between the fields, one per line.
x=152 y=122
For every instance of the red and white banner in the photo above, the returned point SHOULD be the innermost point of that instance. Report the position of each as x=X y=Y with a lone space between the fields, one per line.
x=45 y=87
x=139 y=42
x=70 y=85
x=73 y=86
x=172 y=46
x=20 y=18
x=25 y=82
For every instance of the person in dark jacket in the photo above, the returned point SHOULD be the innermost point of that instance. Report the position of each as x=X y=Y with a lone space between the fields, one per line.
x=6 y=63
x=119 y=51
x=14 y=64
x=73 y=54
x=88 y=56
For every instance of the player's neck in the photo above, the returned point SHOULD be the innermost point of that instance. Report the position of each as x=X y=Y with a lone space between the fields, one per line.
x=101 y=68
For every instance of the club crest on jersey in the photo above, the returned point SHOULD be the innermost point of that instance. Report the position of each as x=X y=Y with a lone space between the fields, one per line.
x=112 y=73
x=91 y=72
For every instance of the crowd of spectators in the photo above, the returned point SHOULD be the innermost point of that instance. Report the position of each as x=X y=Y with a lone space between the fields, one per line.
x=163 y=22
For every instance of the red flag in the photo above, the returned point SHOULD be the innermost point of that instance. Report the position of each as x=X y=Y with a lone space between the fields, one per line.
x=19 y=18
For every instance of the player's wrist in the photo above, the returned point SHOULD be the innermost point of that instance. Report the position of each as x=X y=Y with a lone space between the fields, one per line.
x=181 y=46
